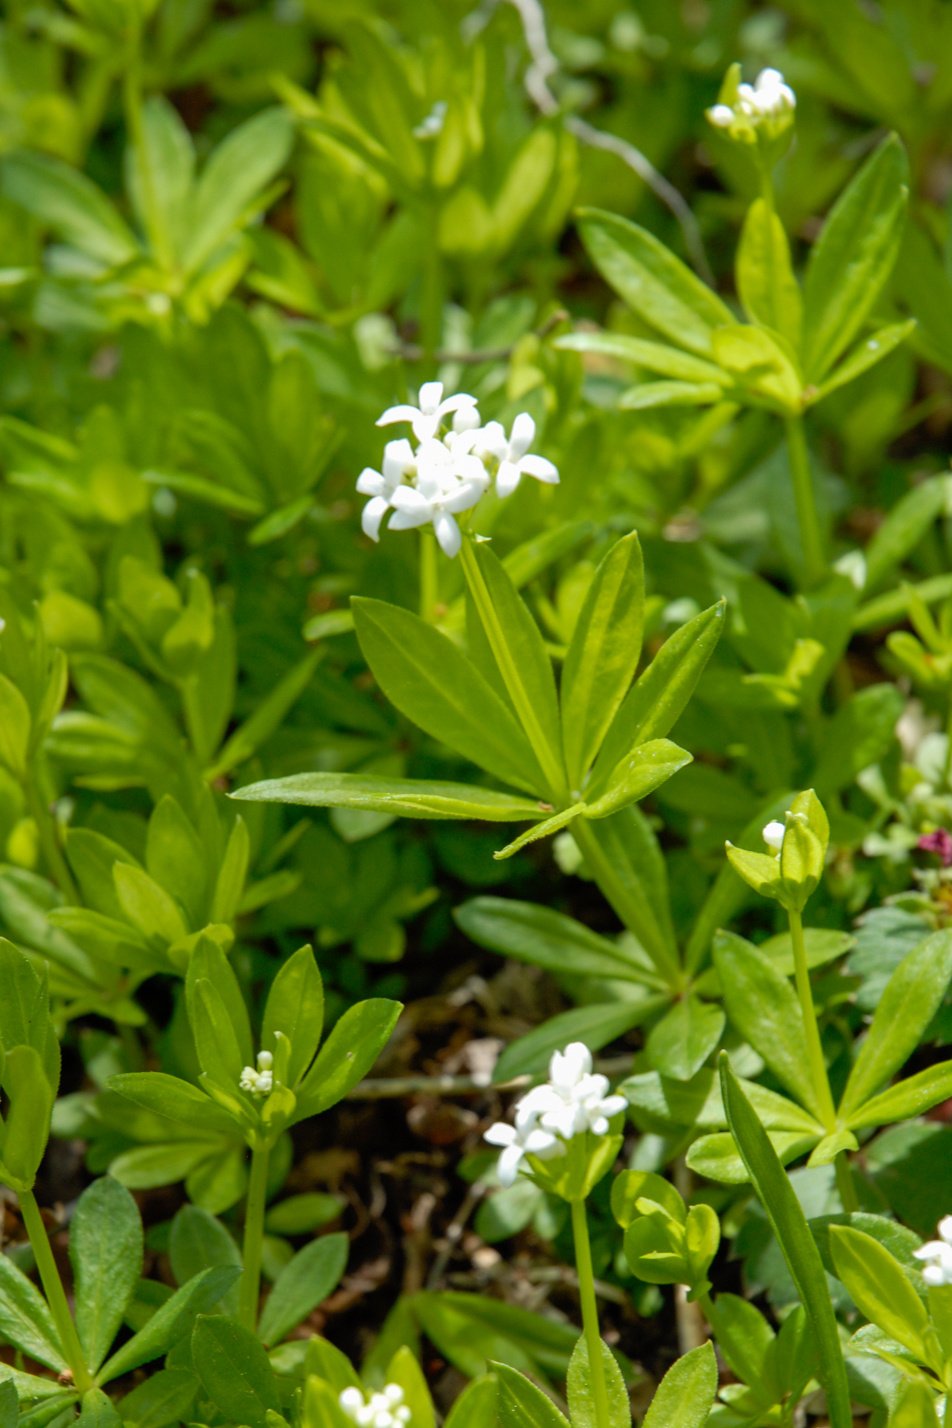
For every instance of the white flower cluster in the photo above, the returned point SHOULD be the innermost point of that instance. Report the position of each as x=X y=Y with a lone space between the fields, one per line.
x=454 y=463
x=573 y=1100
x=939 y=1271
x=259 y=1082
x=380 y=1410
x=767 y=104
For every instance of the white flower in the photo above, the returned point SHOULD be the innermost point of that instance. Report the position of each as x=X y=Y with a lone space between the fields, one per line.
x=572 y=1102
x=378 y=1410
x=512 y=454
x=431 y=414
x=259 y=1082
x=432 y=125
x=449 y=480
x=767 y=104
x=399 y=462
x=939 y=1252
x=773 y=834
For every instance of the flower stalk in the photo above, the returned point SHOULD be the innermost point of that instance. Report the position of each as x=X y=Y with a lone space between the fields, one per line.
x=590 y=1327
x=250 y=1287
x=54 y=1291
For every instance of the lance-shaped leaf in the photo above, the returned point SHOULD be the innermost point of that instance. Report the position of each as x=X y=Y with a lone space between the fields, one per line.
x=173 y=1098
x=637 y=774
x=347 y=1054
x=431 y=681
x=656 y=701
x=854 y=256
x=105 y=1250
x=522 y=1404
x=603 y=654
x=171 y=1321
x=234 y=1369
x=25 y=1320
x=652 y=281
x=881 y=1290
x=545 y=938
x=685 y=1396
x=654 y=356
x=912 y=996
x=401 y=797
x=765 y=280
x=295 y=1007
x=787 y=1220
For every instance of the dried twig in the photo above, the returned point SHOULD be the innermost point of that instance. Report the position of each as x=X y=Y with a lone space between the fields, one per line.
x=410 y=352
x=542 y=69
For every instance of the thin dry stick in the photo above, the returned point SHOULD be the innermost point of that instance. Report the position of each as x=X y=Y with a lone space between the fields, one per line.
x=543 y=68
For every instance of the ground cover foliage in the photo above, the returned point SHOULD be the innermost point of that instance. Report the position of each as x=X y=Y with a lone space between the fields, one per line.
x=475 y=714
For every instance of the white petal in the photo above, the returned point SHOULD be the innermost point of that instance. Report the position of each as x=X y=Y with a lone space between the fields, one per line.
x=945 y=1229
x=372 y=514
x=370 y=482
x=351 y=1399
x=509 y=1162
x=499 y=1133
x=466 y=419
x=521 y=436
x=409 y=520
x=398 y=459
x=773 y=834
x=935 y=1276
x=431 y=394
x=463 y=498
x=425 y=425
x=447 y=533
x=540 y=469
x=507 y=478
x=491 y=440
x=407 y=498
x=403 y=412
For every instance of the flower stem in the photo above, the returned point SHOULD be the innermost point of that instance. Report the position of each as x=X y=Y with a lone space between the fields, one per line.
x=811 y=540
x=54 y=1291
x=250 y=1287
x=821 y=1081
x=549 y=761
x=429 y=576
x=586 y=1289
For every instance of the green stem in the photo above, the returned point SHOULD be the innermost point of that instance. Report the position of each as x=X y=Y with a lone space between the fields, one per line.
x=613 y=889
x=845 y=1184
x=54 y=1291
x=549 y=761
x=586 y=1289
x=429 y=577
x=48 y=832
x=821 y=1081
x=250 y=1287
x=811 y=540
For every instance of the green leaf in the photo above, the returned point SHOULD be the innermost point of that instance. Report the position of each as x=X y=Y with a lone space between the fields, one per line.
x=97 y=1411
x=764 y=1008
x=105 y=1250
x=907 y=1098
x=347 y=1054
x=581 y=1393
x=68 y=203
x=522 y=1405
x=543 y=829
x=24 y=1136
x=25 y=1320
x=476 y=1405
x=637 y=774
x=429 y=680
x=717 y=1157
x=234 y=1370
x=904 y=526
x=269 y=713
x=603 y=654
x=148 y=907
x=854 y=256
x=516 y=639
x=197 y=1242
x=171 y=1322
x=544 y=938
x=232 y=180
x=159 y=170
x=658 y=698
x=654 y=356
x=880 y=1288
x=913 y=994
x=596 y=1025
x=859 y=734
x=793 y=1235
x=867 y=353
x=685 y=1396
x=765 y=280
x=15 y=727
x=295 y=1007
x=305 y=1282
x=671 y=394
x=652 y=281
x=760 y=366
x=164 y=1399
x=680 y=1043
x=401 y=797
x=173 y=1098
